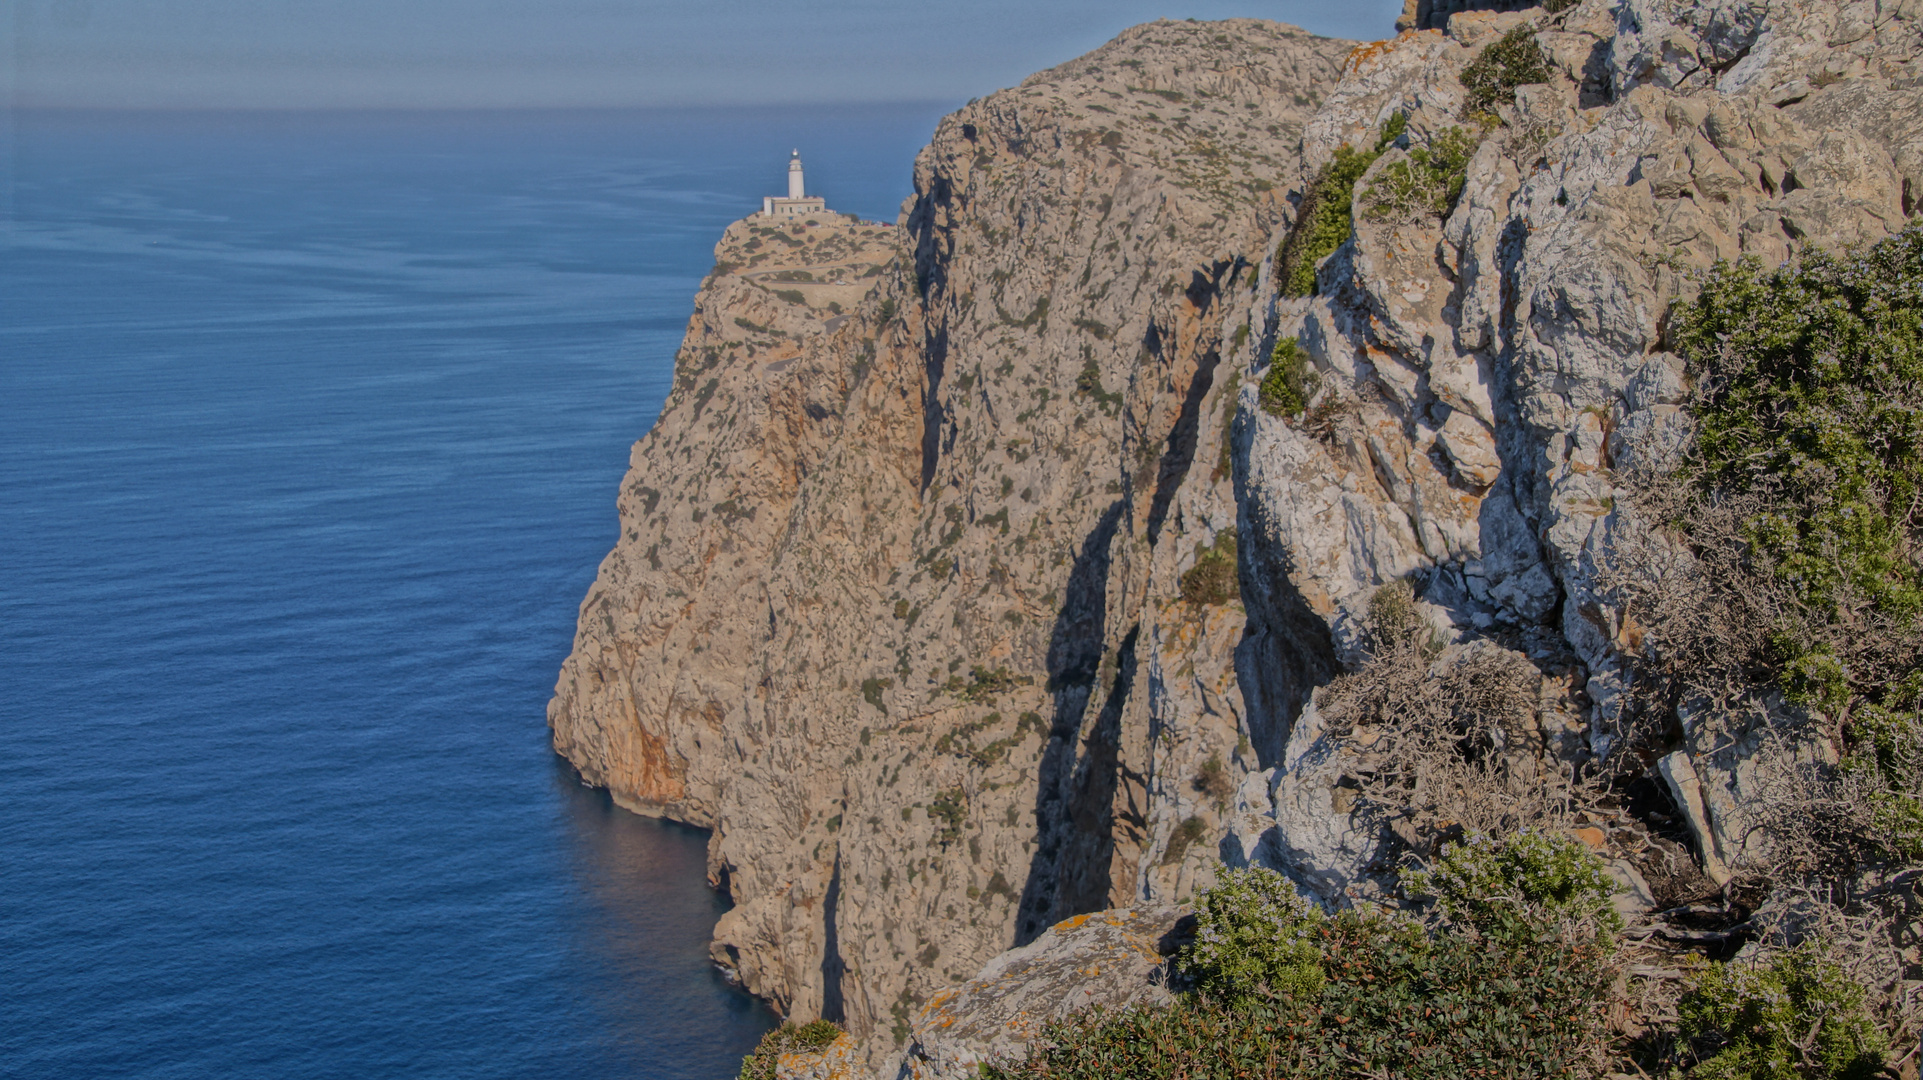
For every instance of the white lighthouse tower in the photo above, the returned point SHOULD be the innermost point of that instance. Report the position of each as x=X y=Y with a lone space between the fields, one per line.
x=797 y=204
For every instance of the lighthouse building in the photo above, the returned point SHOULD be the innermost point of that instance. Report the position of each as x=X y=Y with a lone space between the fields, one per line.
x=798 y=203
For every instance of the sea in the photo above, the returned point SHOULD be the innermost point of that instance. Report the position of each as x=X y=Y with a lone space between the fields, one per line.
x=311 y=425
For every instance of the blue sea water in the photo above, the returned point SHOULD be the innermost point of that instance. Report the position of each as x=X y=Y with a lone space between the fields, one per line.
x=310 y=431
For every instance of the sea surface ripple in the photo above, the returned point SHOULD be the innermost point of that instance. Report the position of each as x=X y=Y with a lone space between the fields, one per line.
x=310 y=431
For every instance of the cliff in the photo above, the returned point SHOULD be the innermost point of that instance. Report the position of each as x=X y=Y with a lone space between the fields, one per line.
x=965 y=584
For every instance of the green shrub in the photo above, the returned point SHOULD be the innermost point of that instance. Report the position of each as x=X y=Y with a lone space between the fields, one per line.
x=1392 y=611
x=786 y=1039
x=1395 y=625
x=984 y=685
x=1887 y=750
x=1325 y=217
x=1322 y=221
x=1213 y=579
x=1519 y=886
x=950 y=808
x=1186 y=835
x=1254 y=937
x=1492 y=77
x=1231 y=400
x=1809 y=417
x=1089 y=382
x=1212 y=779
x=1815 y=395
x=1290 y=381
x=1799 y=1017
x=1425 y=184
x=1285 y=991
x=1391 y=131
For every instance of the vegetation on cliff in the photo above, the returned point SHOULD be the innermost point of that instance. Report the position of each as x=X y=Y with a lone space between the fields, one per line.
x=1426 y=183
x=1212 y=580
x=1289 y=382
x=1326 y=215
x=1492 y=77
x=1777 y=605
x=1798 y=1015
x=1778 y=601
x=1323 y=221
x=787 y=1039
x=1663 y=603
x=1501 y=983
x=1798 y=500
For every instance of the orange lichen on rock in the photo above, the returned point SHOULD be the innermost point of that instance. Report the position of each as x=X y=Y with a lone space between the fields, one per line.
x=1369 y=53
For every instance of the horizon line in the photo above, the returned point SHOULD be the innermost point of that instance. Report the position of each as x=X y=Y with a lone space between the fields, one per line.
x=951 y=104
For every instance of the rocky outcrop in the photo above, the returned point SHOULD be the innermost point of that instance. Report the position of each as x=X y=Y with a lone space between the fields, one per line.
x=921 y=600
x=897 y=606
x=839 y=1060
x=1117 y=959
x=1491 y=372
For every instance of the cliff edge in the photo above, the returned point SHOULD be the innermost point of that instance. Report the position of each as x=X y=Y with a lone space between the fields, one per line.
x=976 y=574
x=895 y=585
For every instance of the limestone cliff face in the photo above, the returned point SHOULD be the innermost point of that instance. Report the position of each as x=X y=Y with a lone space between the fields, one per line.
x=1487 y=375
x=895 y=606
x=920 y=600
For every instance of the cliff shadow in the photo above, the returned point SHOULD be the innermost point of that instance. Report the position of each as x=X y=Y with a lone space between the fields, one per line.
x=1180 y=454
x=932 y=413
x=1286 y=649
x=833 y=1006
x=1179 y=450
x=1068 y=871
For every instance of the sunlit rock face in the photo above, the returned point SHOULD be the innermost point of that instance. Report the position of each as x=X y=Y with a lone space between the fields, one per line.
x=895 y=608
x=916 y=604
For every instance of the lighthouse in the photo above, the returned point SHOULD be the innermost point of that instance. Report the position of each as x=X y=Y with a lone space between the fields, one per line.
x=798 y=203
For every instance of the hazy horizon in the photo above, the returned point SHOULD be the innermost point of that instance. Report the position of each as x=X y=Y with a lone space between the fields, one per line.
x=504 y=54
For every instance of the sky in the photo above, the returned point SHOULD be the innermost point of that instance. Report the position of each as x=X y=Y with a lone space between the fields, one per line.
x=280 y=54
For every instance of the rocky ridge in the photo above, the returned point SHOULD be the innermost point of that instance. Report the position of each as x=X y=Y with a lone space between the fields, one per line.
x=1496 y=370
x=888 y=610
x=919 y=600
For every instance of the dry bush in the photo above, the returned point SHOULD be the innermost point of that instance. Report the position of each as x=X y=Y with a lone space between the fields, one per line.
x=1868 y=927
x=1709 y=616
x=1213 y=780
x=1447 y=735
x=1706 y=619
x=1824 y=988
x=1694 y=613
x=1814 y=817
x=1764 y=582
x=1777 y=585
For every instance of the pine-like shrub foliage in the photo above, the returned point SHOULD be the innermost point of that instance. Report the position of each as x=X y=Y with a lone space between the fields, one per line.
x=1326 y=215
x=1886 y=751
x=1285 y=991
x=1425 y=184
x=1214 y=578
x=1520 y=887
x=1813 y=392
x=1809 y=411
x=1323 y=221
x=1289 y=382
x=1492 y=77
x=1798 y=1017
x=786 y=1039
x=1254 y=938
